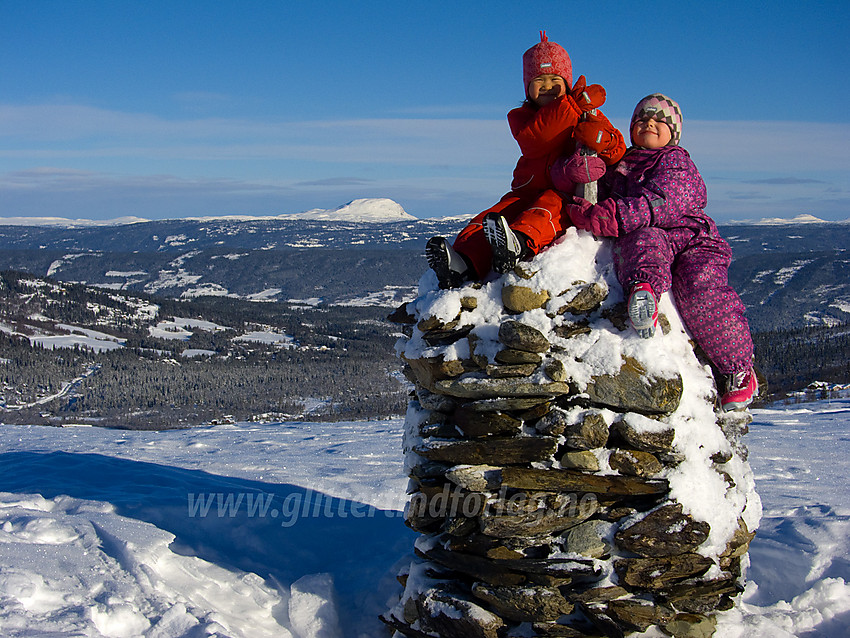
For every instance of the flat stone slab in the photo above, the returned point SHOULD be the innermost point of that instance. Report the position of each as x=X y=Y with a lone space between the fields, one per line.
x=666 y=531
x=570 y=481
x=524 y=604
x=499 y=450
x=481 y=476
x=486 y=388
x=511 y=571
x=633 y=390
x=660 y=573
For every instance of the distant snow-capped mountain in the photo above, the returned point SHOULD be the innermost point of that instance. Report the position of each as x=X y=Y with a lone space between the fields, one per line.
x=781 y=221
x=360 y=210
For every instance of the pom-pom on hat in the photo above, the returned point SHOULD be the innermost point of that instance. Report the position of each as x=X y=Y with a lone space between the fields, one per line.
x=663 y=109
x=546 y=58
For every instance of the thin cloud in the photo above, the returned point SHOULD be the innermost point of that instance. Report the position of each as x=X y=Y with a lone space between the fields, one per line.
x=337 y=181
x=466 y=111
x=42 y=132
x=747 y=196
x=65 y=181
x=783 y=181
x=202 y=98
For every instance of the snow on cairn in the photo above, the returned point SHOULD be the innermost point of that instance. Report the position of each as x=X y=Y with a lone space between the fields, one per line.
x=567 y=478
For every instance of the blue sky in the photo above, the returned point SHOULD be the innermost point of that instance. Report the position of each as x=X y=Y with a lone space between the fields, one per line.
x=163 y=109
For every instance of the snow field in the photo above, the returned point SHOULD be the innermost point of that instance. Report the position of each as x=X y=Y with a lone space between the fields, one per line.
x=97 y=537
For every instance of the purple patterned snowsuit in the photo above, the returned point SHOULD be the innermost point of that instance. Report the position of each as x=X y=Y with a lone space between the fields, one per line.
x=668 y=241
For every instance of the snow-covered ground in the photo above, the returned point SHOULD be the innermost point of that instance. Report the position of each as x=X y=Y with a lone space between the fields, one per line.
x=295 y=529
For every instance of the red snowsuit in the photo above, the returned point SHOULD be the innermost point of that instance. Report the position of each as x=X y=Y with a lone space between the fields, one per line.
x=533 y=207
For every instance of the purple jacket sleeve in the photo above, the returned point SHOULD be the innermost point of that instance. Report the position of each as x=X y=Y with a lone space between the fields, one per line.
x=670 y=193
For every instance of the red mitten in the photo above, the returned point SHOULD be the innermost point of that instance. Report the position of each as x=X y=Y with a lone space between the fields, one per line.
x=587 y=97
x=600 y=219
x=566 y=172
x=594 y=133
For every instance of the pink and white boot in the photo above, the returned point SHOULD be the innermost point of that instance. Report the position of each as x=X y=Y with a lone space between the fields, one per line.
x=741 y=389
x=643 y=310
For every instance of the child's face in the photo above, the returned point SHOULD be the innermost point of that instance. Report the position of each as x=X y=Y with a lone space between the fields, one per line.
x=650 y=133
x=546 y=88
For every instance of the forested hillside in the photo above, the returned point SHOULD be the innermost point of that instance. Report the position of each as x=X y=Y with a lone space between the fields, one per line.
x=141 y=362
x=792 y=359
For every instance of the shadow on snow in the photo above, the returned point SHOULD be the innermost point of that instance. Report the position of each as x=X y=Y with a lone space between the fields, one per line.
x=278 y=531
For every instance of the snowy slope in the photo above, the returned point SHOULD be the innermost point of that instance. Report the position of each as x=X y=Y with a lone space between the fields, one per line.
x=296 y=529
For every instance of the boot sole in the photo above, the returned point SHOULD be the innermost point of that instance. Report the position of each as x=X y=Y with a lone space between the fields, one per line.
x=438 y=261
x=494 y=231
x=642 y=313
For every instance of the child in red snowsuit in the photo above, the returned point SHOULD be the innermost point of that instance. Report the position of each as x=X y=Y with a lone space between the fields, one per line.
x=555 y=115
x=653 y=202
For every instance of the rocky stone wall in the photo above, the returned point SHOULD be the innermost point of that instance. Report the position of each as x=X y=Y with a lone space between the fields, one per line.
x=567 y=478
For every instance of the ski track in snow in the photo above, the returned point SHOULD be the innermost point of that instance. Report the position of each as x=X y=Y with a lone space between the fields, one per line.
x=295 y=529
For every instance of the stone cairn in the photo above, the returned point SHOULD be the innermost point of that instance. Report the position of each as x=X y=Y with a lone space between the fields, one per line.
x=566 y=477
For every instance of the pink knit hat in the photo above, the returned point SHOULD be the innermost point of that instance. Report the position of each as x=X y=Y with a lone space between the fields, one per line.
x=546 y=58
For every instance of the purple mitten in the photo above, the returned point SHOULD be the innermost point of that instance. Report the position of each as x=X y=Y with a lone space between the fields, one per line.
x=579 y=212
x=566 y=172
x=600 y=219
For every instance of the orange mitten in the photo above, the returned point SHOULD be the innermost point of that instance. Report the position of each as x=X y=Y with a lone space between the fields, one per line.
x=594 y=132
x=587 y=97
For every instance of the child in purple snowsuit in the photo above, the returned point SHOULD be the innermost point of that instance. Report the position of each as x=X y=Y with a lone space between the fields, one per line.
x=652 y=201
